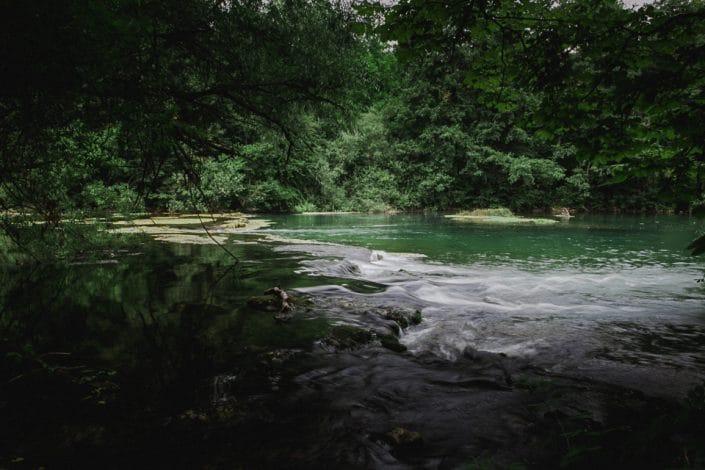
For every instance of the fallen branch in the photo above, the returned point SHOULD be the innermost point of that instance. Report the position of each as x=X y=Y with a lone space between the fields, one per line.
x=286 y=306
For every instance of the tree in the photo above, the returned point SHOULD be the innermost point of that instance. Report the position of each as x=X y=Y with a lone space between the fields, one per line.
x=175 y=82
x=623 y=86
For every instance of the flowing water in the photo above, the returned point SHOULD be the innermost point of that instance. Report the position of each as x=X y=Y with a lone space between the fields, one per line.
x=161 y=335
x=576 y=296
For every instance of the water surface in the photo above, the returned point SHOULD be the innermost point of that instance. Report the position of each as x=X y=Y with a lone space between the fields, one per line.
x=152 y=354
x=598 y=293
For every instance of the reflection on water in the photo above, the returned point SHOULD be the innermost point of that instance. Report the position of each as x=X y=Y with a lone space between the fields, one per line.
x=677 y=346
x=161 y=337
x=585 y=241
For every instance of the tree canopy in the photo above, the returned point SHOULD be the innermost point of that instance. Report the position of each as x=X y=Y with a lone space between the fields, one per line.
x=160 y=84
x=127 y=105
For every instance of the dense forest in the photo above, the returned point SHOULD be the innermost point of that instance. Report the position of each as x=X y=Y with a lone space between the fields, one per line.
x=352 y=233
x=297 y=106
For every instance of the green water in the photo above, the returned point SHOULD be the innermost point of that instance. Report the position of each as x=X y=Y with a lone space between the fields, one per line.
x=156 y=330
x=561 y=294
x=584 y=240
x=586 y=273
x=595 y=269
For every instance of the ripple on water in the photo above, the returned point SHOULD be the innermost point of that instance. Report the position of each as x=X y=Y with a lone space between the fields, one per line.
x=554 y=316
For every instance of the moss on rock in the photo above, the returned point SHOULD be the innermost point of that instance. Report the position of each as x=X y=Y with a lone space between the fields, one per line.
x=392 y=343
x=347 y=337
x=500 y=215
x=264 y=303
x=489 y=212
x=403 y=318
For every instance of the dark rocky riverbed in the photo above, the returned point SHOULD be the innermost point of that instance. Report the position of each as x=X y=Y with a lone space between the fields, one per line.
x=347 y=401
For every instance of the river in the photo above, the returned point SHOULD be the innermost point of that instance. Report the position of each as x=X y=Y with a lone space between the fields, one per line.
x=523 y=327
x=583 y=295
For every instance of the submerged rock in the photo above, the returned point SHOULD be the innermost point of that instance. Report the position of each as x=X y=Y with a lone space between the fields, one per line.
x=279 y=356
x=490 y=361
x=401 y=437
x=403 y=317
x=488 y=212
x=347 y=337
x=392 y=343
x=348 y=268
x=265 y=303
x=193 y=229
x=283 y=316
x=271 y=303
x=394 y=328
x=483 y=356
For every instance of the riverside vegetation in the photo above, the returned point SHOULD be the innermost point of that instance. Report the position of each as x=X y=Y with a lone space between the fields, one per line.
x=592 y=106
x=149 y=318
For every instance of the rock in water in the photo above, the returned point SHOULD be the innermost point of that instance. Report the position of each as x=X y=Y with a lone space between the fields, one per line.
x=401 y=437
x=347 y=337
x=392 y=343
x=265 y=303
x=402 y=317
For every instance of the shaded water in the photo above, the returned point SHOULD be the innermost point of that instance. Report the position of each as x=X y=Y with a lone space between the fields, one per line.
x=156 y=352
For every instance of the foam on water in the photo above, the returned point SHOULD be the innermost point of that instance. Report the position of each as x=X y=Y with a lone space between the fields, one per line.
x=513 y=309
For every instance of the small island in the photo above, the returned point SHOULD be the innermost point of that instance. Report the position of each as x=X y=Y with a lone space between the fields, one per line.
x=499 y=215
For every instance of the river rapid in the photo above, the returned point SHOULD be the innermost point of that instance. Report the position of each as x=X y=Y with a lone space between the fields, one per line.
x=537 y=346
x=608 y=297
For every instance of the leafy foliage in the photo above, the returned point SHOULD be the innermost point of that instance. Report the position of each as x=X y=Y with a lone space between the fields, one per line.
x=310 y=105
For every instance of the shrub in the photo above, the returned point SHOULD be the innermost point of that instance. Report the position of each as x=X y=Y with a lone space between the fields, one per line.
x=305 y=207
x=115 y=198
x=272 y=196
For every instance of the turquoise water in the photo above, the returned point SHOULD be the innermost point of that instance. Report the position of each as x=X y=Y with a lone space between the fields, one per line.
x=585 y=240
x=590 y=294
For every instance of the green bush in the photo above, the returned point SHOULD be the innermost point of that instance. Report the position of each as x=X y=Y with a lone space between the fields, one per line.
x=222 y=183
x=305 y=207
x=120 y=197
x=220 y=187
x=272 y=196
x=575 y=191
